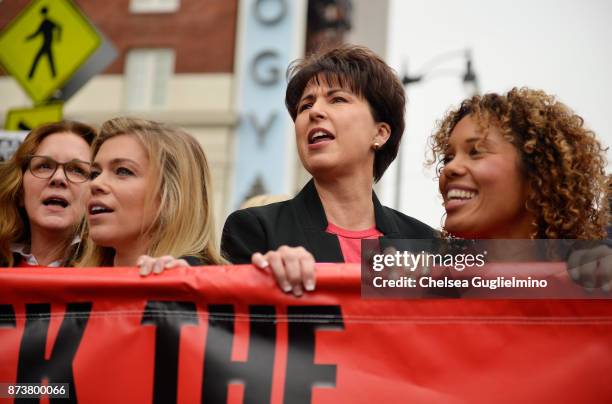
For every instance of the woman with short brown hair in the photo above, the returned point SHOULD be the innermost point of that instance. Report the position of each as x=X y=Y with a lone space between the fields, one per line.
x=348 y=106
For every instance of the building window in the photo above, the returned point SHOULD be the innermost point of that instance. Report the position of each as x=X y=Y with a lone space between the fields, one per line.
x=148 y=72
x=154 y=6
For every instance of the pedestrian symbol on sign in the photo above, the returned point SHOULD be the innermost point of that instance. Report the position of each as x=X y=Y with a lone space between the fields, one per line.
x=45 y=45
x=47 y=29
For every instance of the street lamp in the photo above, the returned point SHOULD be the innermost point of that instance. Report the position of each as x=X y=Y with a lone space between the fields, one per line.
x=429 y=71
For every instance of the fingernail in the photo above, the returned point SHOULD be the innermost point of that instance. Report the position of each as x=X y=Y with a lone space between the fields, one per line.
x=286 y=287
x=264 y=264
x=142 y=272
x=169 y=264
x=606 y=287
x=574 y=274
x=309 y=285
x=298 y=290
x=157 y=268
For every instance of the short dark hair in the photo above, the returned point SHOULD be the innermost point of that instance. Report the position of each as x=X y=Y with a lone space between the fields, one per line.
x=363 y=72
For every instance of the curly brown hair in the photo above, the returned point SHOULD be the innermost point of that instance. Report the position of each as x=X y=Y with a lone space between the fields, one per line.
x=563 y=161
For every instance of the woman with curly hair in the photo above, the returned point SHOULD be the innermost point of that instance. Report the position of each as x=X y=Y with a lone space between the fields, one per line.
x=520 y=165
x=41 y=196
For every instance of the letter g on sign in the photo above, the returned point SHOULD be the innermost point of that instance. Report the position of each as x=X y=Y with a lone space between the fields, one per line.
x=266 y=75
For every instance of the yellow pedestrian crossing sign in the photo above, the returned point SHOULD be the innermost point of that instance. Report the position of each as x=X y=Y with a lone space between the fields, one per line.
x=30 y=118
x=45 y=44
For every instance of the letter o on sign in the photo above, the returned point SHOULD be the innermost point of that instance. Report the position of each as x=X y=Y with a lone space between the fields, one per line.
x=271 y=14
x=271 y=74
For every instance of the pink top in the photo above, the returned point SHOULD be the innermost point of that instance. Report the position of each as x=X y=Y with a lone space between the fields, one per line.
x=350 y=241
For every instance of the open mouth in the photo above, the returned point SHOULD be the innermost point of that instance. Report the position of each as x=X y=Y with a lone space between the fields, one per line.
x=320 y=135
x=56 y=201
x=97 y=208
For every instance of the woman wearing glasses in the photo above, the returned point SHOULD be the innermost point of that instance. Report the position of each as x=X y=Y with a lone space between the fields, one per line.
x=42 y=189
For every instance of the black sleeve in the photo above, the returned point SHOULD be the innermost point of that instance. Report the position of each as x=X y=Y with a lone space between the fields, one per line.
x=193 y=261
x=243 y=235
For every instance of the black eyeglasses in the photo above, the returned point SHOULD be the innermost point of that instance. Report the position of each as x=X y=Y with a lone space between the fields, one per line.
x=43 y=167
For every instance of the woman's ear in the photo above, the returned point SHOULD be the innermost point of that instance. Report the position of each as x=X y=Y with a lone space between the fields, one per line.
x=383 y=133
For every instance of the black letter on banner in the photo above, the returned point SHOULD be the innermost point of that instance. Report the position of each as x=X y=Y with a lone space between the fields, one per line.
x=168 y=317
x=7 y=316
x=256 y=372
x=33 y=367
x=302 y=373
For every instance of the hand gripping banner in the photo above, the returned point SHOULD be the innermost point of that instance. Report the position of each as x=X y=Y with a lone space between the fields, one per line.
x=229 y=335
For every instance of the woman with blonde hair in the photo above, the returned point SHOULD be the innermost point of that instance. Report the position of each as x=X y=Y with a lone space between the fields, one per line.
x=520 y=165
x=41 y=205
x=150 y=195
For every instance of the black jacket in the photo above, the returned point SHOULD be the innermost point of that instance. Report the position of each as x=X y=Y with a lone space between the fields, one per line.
x=301 y=221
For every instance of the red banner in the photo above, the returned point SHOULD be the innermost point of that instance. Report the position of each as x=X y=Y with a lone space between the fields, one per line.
x=227 y=334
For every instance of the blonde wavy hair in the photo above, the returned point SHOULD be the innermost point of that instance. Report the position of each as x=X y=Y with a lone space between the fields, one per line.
x=563 y=162
x=183 y=224
x=14 y=222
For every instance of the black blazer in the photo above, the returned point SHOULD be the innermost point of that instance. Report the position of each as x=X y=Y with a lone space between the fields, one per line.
x=194 y=261
x=301 y=221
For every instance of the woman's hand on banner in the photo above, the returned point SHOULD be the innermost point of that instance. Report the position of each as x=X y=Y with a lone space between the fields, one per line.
x=292 y=267
x=152 y=265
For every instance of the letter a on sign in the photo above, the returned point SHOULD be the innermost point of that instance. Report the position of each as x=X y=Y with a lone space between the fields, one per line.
x=45 y=44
